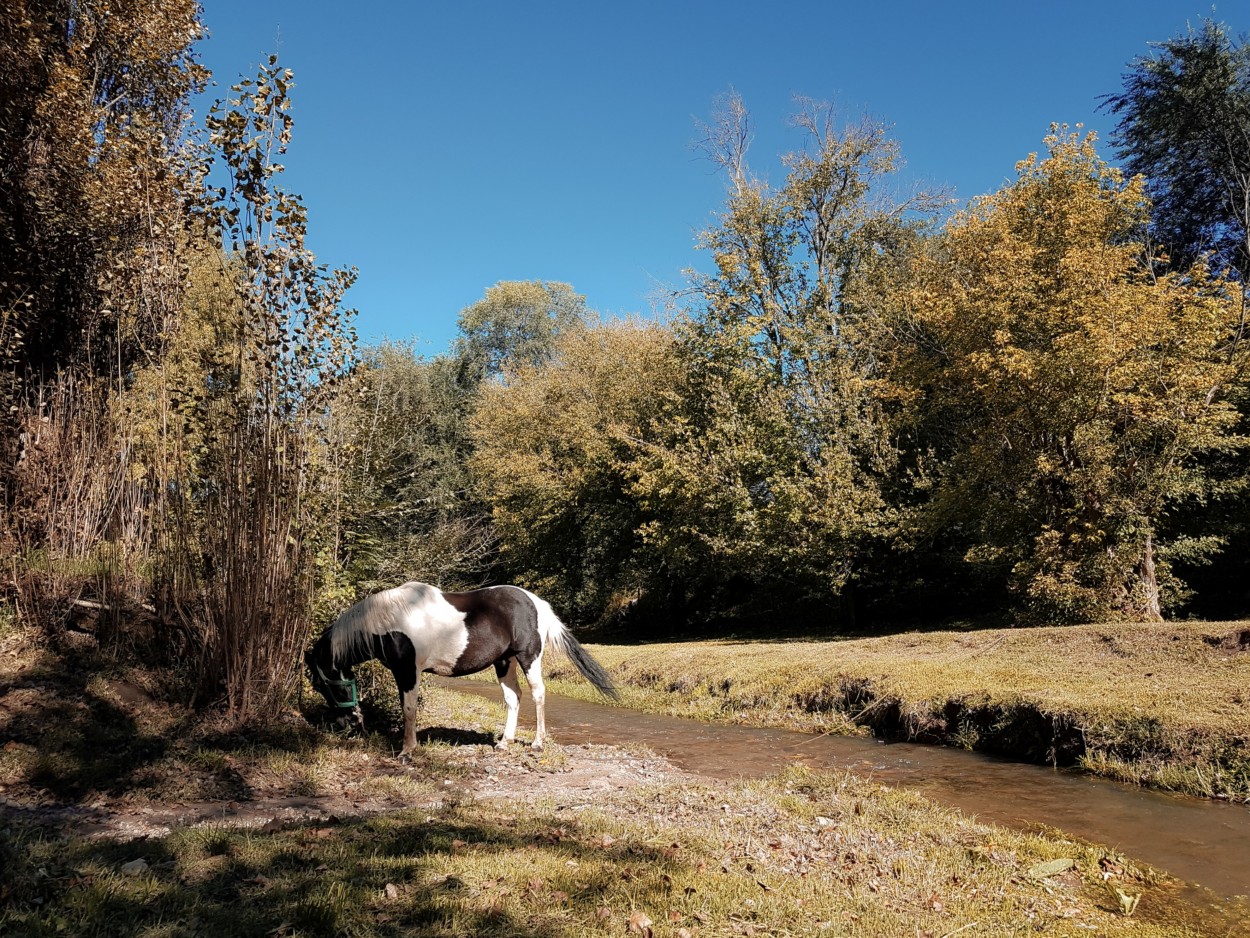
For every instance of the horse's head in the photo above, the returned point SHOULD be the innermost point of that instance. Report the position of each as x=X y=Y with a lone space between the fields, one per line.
x=337 y=685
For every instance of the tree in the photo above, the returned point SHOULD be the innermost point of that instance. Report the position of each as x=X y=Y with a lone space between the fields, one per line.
x=516 y=323
x=1185 y=125
x=410 y=511
x=1069 y=393
x=94 y=98
x=94 y=101
x=555 y=457
x=773 y=466
x=255 y=517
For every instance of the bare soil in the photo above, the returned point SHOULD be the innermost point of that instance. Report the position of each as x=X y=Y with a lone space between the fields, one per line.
x=94 y=749
x=581 y=777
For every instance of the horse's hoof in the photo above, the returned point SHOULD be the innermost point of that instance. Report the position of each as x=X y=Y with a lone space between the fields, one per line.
x=406 y=756
x=502 y=744
x=537 y=746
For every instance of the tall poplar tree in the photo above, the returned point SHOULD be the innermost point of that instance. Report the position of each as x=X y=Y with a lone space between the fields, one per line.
x=777 y=454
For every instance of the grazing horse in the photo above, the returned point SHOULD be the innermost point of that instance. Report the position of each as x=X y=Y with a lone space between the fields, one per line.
x=416 y=628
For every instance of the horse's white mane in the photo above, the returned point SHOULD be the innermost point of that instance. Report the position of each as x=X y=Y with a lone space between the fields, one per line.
x=391 y=611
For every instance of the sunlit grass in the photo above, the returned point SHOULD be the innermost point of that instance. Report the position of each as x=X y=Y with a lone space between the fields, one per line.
x=804 y=854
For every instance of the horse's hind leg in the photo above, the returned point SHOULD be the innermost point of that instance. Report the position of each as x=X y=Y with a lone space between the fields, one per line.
x=506 y=672
x=534 y=677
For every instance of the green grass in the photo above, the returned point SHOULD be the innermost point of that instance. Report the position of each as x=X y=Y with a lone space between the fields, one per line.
x=803 y=854
x=1160 y=704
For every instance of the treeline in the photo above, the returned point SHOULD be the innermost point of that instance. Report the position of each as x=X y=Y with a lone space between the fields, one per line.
x=1032 y=409
x=870 y=411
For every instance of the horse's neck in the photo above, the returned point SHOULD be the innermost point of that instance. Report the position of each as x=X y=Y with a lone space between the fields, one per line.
x=353 y=653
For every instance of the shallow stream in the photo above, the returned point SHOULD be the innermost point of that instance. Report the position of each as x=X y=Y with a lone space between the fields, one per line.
x=1203 y=842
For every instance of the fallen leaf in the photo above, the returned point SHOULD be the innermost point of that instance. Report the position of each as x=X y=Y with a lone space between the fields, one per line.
x=603 y=913
x=1051 y=868
x=391 y=890
x=640 y=924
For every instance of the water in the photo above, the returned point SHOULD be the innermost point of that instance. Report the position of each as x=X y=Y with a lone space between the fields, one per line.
x=1203 y=842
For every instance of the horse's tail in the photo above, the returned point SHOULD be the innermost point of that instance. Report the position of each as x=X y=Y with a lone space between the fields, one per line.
x=556 y=634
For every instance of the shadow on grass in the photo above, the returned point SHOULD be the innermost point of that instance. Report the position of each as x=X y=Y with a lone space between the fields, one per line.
x=71 y=733
x=392 y=875
x=452 y=736
x=81 y=741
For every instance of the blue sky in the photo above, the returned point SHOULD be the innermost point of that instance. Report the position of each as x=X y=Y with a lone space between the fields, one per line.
x=442 y=147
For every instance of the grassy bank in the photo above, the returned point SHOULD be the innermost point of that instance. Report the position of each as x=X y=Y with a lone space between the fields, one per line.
x=1165 y=705
x=471 y=841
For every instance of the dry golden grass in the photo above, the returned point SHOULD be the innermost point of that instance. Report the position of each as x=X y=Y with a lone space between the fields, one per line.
x=802 y=854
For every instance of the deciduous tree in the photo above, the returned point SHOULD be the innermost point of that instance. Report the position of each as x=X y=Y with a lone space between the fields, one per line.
x=1070 y=392
x=556 y=451
x=773 y=468
x=516 y=323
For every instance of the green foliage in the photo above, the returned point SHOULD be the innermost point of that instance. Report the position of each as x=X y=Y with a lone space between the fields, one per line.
x=516 y=323
x=772 y=463
x=555 y=456
x=1185 y=125
x=1068 y=393
x=400 y=433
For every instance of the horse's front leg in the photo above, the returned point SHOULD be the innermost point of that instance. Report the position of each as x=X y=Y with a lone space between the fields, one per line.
x=409 y=698
x=506 y=672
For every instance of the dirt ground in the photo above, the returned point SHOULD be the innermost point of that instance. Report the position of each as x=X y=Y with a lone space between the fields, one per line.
x=583 y=774
x=95 y=750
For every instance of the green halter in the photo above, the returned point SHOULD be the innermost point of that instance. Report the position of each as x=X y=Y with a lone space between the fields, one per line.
x=353 y=693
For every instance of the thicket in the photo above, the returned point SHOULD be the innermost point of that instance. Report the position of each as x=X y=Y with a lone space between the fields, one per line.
x=869 y=410
x=171 y=347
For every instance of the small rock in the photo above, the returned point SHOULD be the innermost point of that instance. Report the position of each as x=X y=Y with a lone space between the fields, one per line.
x=135 y=867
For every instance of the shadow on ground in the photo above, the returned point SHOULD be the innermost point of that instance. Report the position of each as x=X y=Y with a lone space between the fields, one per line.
x=395 y=875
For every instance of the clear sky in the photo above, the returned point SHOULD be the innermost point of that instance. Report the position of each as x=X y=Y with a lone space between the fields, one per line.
x=442 y=147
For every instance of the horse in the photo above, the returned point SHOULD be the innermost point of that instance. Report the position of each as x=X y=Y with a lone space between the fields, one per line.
x=416 y=628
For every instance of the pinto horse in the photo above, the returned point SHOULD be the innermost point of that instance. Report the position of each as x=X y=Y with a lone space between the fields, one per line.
x=416 y=628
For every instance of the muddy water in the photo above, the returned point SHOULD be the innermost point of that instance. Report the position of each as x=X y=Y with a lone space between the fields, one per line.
x=1198 y=841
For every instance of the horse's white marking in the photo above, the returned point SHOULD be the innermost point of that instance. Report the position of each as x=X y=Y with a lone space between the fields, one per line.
x=534 y=677
x=433 y=625
x=550 y=629
x=512 y=701
x=411 y=701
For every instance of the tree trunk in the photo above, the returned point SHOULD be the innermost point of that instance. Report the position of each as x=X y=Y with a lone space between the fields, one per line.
x=1148 y=607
